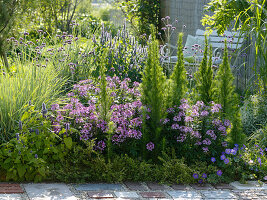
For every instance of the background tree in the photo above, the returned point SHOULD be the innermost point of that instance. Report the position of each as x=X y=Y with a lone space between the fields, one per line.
x=141 y=13
x=7 y=17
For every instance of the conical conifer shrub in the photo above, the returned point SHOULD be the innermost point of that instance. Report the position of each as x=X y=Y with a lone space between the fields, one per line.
x=204 y=77
x=178 y=77
x=226 y=96
x=153 y=86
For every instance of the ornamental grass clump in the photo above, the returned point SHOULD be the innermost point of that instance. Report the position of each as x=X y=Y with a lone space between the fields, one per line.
x=17 y=89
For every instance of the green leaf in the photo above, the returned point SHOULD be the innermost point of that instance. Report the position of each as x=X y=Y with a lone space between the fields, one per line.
x=68 y=142
x=25 y=116
x=21 y=170
x=41 y=170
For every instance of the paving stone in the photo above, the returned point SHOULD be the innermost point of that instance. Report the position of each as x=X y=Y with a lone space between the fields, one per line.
x=219 y=194
x=155 y=186
x=180 y=187
x=184 y=194
x=251 y=185
x=250 y=194
x=97 y=187
x=126 y=194
x=153 y=194
x=100 y=195
x=54 y=191
x=135 y=186
x=202 y=186
x=223 y=186
x=7 y=188
x=10 y=197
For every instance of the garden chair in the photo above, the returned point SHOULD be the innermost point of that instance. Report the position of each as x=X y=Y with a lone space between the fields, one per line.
x=194 y=47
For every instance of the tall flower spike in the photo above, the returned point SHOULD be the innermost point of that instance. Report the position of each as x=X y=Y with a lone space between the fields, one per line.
x=20 y=125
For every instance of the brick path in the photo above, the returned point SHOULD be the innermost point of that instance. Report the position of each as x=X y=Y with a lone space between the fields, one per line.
x=128 y=190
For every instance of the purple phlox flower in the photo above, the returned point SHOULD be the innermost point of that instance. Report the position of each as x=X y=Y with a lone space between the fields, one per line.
x=175 y=126
x=206 y=141
x=170 y=110
x=204 y=175
x=265 y=178
x=165 y=121
x=226 y=160
x=227 y=123
x=205 y=149
x=195 y=176
x=36 y=156
x=56 y=127
x=213 y=159
x=216 y=122
x=198 y=143
x=184 y=106
x=177 y=118
x=219 y=172
x=101 y=145
x=181 y=138
x=224 y=144
x=150 y=146
x=216 y=108
x=223 y=157
x=204 y=113
x=222 y=129
x=59 y=118
x=188 y=119
x=196 y=134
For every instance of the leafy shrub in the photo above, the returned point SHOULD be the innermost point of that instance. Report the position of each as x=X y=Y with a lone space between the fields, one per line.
x=36 y=150
x=249 y=162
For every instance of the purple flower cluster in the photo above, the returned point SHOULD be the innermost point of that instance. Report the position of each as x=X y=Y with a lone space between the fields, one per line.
x=82 y=112
x=186 y=123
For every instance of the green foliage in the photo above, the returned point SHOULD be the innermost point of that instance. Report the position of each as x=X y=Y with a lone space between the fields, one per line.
x=27 y=83
x=226 y=96
x=204 y=77
x=37 y=151
x=141 y=13
x=254 y=113
x=104 y=96
x=249 y=16
x=25 y=157
x=153 y=86
x=178 y=77
x=259 y=136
